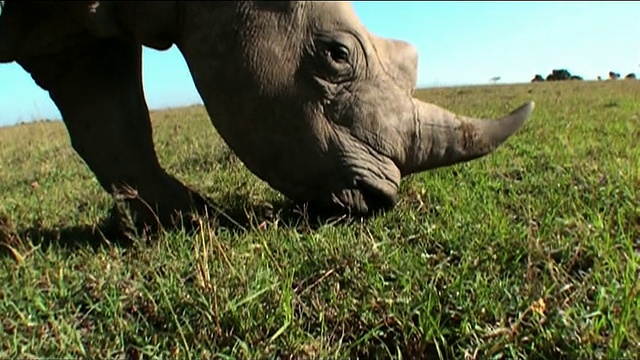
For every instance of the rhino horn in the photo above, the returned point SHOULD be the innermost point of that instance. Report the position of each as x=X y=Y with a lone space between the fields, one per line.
x=442 y=138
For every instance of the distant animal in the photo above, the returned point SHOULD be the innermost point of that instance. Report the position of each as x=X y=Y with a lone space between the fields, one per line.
x=537 y=78
x=630 y=76
x=308 y=99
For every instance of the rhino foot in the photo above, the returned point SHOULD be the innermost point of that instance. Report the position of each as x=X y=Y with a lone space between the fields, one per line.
x=177 y=207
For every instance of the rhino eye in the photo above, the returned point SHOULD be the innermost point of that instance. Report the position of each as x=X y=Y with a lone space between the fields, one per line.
x=339 y=53
x=334 y=59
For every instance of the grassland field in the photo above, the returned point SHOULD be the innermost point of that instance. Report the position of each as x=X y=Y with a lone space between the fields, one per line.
x=532 y=252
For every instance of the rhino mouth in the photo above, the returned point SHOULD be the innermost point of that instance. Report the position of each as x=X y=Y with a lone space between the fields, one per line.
x=365 y=198
x=377 y=198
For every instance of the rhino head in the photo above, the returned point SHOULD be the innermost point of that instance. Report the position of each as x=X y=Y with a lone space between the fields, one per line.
x=319 y=107
x=307 y=98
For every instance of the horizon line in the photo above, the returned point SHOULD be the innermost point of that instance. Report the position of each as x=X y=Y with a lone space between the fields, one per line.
x=433 y=85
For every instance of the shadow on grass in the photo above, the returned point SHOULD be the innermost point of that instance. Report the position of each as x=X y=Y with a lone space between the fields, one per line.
x=15 y=241
x=238 y=215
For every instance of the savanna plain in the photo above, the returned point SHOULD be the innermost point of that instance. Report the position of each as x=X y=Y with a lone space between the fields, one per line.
x=532 y=252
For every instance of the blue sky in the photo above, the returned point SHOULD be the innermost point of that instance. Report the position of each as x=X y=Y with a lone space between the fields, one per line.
x=459 y=43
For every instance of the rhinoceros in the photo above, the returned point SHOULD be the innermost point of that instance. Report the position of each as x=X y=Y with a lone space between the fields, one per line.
x=308 y=99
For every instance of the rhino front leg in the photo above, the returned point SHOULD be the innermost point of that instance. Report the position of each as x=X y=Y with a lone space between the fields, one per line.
x=97 y=86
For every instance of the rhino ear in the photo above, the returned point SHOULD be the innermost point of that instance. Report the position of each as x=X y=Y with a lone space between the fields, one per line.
x=278 y=6
x=6 y=40
x=152 y=23
x=99 y=17
x=23 y=24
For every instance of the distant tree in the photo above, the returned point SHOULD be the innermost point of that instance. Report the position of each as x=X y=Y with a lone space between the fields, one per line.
x=559 y=75
x=630 y=76
x=599 y=78
x=537 y=78
x=614 y=75
x=494 y=79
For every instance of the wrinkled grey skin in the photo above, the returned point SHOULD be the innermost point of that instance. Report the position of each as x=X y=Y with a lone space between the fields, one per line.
x=308 y=99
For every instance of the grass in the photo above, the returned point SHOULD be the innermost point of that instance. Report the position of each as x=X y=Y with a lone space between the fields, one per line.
x=530 y=253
